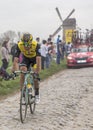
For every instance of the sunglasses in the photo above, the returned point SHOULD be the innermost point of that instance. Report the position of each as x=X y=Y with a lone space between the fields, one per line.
x=26 y=44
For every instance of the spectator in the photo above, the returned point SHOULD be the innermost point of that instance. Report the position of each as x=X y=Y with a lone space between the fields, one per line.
x=38 y=40
x=68 y=48
x=59 y=52
x=58 y=39
x=47 y=53
x=5 y=60
x=5 y=55
x=4 y=74
x=43 y=53
x=13 y=50
x=63 y=49
x=50 y=51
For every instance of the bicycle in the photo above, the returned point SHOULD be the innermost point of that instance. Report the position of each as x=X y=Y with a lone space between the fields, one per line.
x=27 y=94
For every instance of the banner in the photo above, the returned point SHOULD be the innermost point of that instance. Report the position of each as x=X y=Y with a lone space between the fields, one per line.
x=68 y=35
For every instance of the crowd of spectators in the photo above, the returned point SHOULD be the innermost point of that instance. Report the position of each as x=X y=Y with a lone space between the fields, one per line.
x=49 y=51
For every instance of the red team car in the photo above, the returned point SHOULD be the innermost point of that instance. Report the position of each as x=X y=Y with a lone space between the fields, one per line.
x=81 y=55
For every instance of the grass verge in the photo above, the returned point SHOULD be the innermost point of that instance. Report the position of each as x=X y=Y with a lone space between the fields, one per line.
x=11 y=86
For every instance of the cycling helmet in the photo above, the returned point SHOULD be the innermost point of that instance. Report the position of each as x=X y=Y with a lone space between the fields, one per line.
x=27 y=38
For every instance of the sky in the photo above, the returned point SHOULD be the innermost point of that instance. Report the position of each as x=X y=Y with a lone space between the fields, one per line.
x=40 y=18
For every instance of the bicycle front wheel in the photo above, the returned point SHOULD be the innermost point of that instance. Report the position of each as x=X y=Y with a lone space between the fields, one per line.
x=23 y=105
x=32 y=100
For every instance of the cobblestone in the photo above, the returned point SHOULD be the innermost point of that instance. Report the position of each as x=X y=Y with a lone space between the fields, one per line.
x=66 y=104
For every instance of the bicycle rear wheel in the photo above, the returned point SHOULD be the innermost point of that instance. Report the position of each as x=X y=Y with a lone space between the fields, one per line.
x=23 y=105
x=32 y=100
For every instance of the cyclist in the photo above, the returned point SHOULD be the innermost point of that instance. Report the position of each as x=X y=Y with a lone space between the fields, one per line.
x=30 y=51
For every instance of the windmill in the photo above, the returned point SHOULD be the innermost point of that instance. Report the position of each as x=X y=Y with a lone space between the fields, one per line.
x=67 y=24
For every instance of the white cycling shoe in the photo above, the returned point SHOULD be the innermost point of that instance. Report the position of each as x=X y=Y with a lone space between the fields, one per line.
x=37 y=99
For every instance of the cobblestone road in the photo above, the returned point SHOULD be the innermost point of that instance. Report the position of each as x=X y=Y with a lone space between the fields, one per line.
x=66 y=104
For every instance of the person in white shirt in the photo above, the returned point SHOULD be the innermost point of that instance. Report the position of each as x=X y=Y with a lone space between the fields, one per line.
x=43 y=53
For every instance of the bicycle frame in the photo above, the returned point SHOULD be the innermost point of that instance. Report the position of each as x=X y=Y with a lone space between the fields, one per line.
x=28 y=75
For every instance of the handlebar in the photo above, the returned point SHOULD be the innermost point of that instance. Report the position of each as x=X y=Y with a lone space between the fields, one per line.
x=24 y=72
x=36 y=76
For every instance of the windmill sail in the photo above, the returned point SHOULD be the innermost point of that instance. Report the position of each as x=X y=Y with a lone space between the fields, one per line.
x=70 y=14
x=59 y=14
x=58 y=30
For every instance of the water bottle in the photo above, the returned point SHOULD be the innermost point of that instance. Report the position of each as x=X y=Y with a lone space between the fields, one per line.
x=29 y=86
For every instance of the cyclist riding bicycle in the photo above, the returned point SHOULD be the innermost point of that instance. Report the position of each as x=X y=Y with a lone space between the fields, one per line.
x=30 y=51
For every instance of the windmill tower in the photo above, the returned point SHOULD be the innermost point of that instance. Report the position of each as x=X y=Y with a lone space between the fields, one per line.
x=68 y=25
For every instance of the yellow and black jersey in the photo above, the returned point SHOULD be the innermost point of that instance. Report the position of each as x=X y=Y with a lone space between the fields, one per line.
x=33 y=51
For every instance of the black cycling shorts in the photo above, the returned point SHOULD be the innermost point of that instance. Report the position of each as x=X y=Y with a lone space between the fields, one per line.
x=28 y=62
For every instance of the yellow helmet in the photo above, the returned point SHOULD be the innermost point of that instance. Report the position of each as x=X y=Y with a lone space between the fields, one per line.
x=27 y=38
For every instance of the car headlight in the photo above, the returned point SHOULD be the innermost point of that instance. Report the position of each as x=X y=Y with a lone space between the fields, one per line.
x=91 y=56
x=69 y=58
